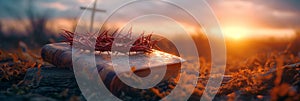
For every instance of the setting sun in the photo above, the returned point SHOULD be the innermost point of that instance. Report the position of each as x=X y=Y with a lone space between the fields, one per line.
x=240 y=33
x=235 y=33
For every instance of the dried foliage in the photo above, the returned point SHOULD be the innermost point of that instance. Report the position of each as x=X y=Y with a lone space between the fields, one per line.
x=105 y=41
x=14 y=64
x=259 y=77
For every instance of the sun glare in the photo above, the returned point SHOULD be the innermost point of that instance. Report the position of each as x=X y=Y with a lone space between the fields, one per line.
x=236 y=33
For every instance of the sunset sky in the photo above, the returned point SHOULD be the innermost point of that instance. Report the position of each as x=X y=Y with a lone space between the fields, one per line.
x=238 y=18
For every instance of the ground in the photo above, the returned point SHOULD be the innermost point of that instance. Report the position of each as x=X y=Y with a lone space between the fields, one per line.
x=249 y=79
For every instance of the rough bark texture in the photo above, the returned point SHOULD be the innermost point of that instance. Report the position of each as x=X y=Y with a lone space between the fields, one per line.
x=60 y=55
x=50 y=80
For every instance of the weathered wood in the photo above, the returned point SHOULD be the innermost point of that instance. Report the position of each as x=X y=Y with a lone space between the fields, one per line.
x=49 y=80
x=60 y=55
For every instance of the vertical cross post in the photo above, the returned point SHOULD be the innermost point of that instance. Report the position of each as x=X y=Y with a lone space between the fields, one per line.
x=94 y=10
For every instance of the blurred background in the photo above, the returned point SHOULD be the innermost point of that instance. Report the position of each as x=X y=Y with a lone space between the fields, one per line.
x=250 y=26
x=260 y=35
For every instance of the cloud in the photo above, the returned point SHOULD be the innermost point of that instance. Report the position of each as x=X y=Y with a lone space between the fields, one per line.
x=279 y=13
x=283 y=14
x=84 y=1
x=273 y=13
x=260 y=13
x=283 y=5
x=55 y=5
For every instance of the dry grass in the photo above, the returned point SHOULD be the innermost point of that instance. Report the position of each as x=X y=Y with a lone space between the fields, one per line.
x=248 y=77
x=15 y=63
x=255 y=78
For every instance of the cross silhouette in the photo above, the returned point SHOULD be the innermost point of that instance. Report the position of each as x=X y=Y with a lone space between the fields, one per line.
x=94 y=10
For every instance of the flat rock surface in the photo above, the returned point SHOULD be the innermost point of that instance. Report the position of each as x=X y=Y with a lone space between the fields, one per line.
x=49 y=81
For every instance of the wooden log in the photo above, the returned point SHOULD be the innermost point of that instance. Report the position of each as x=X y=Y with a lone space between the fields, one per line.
x=60 y=55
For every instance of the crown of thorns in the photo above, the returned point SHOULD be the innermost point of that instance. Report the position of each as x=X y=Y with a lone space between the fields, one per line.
x=105 y=41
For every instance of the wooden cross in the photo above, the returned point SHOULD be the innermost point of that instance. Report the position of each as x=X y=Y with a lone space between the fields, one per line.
x=94 y=10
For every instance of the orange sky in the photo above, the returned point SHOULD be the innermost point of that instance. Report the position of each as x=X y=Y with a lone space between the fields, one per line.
x=246 y=19
x=238 y=18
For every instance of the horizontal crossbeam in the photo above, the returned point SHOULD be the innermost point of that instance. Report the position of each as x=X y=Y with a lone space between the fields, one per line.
x=98 y=10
